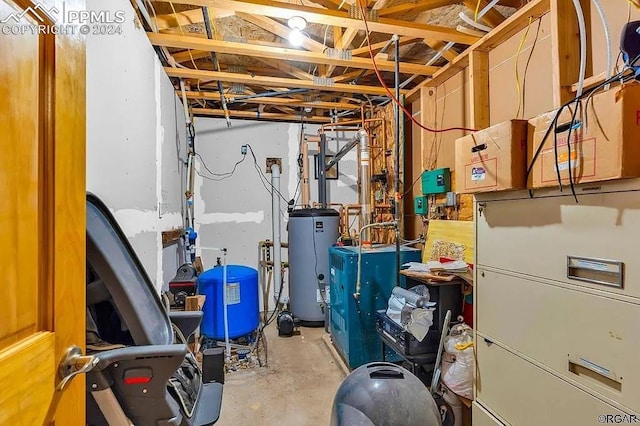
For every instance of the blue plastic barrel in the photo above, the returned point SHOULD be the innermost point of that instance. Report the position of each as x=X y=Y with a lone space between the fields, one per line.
x=242 y=301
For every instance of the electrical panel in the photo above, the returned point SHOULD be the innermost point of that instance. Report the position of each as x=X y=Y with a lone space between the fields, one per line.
x=420 y=205
x=436 y=181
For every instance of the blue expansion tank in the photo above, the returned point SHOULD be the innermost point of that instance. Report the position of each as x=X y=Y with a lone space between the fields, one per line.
x=353 y=322
x=242 y=301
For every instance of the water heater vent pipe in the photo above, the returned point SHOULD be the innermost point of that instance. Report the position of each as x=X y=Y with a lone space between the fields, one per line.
x=275 y=217
x=365 y=187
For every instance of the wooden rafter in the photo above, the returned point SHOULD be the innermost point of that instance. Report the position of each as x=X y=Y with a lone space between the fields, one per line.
x=438 y=45
x=347 y=76
x=329 y=4
x=219 y=46
x=255 y=115
x=280 y=101
x=493 y=17
x=272 y=81
x=280 y=30
x=287 y=68
x=186 y=18
x=335 y=18
x=420 y=6
x=364 y=51
x=345 y=41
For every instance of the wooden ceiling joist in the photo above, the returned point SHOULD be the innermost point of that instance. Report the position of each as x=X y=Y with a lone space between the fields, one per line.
x=364 y=51
x=420 y=6
x=493 y=17
x=272 y=81
x=287 y=68
x=335 y=18
x=187 y=17
x=280 y=30
x=255 y=115
x=329 y=4
x=219 y=46
x=280 y=101
x=437 y=45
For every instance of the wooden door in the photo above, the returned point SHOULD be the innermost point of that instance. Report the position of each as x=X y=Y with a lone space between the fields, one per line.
x=42 y=214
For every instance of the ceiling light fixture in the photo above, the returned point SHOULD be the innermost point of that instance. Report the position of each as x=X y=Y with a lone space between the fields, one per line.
x=297 y=24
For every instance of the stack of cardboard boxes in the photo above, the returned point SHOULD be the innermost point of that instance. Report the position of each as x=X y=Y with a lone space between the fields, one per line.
x=605 y=145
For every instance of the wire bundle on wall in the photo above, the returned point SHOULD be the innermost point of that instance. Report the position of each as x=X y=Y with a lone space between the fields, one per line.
x=624 y=76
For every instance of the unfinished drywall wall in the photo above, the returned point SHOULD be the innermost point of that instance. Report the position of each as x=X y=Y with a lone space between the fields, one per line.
x=135 y=136
x=235 y=212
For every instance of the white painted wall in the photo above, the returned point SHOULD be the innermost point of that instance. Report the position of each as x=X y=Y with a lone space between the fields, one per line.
x=135 y=137
x=236 y=212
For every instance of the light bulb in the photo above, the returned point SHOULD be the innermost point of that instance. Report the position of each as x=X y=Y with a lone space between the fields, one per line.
x=296 y=37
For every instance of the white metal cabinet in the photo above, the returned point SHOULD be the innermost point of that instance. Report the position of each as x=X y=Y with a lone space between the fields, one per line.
x=563 y=340
x=584 y=337
x=481 y=417
x=524 y=394
x=536 y=236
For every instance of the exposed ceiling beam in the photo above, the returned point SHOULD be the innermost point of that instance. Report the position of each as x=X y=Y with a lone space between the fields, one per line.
x=187 y=17
x=281 y=101
x=348 y=76
x=272 y=81
x=438 y=45
x=345 y=41
x=278 y=29
x=287 y=68
x=420 y=6
x=229 y=47
x=335 y=18
x=377 y=46
x=329 y=4
x=493 y=17
x=255 y=115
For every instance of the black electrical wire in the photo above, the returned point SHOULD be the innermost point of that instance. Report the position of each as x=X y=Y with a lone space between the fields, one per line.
x=554 y=123
x=225 y=174
x=526 y=67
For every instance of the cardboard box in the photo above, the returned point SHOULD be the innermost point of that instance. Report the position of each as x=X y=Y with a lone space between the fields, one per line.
x=493 y=159
x=604 y=146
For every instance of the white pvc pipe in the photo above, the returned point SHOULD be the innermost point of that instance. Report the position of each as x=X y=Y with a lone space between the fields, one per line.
x=487 y=8
x=227 y=348
x=185 y=104
x=473 y=23
x=275 y=213
x=583 y=45
x=607 y=36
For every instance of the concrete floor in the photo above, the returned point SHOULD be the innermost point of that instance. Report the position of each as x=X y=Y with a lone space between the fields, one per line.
x=296 y=388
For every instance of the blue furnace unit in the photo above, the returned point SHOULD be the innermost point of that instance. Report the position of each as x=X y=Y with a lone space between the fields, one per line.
x=353 y=322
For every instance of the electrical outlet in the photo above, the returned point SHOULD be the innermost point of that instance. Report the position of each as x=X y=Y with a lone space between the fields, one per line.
x=271 y=161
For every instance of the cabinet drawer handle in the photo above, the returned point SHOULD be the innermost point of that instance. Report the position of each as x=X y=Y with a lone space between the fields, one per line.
x=583 y=368
x=609 y=273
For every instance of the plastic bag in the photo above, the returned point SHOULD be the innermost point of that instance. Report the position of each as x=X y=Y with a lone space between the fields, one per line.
x=458 y=362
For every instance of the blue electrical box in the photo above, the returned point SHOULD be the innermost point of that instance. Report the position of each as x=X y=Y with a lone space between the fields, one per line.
x=436 y=181
x=353 y=322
